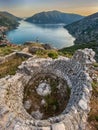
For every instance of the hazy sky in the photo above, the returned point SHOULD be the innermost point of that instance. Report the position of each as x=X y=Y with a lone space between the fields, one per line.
x=25 y=8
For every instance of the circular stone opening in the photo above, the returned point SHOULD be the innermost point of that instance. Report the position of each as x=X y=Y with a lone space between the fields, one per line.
x=46 y=96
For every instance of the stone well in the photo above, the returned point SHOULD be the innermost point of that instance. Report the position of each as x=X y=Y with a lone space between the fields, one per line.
x=48 y=92
x=73 y=73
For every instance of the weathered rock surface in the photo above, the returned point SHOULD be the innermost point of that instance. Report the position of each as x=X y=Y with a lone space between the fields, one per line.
x=43 y=89
x=37 y=115
x=13 y=115
x=34 y=49
x=27 y=104
x=47 y=46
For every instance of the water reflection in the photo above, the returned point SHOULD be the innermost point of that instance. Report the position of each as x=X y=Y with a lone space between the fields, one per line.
x=52 y=34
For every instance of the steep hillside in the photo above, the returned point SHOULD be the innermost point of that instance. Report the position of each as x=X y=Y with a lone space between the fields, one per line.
x=69 y=51
x=85 y=30
x=53 y=17
x=8 y=20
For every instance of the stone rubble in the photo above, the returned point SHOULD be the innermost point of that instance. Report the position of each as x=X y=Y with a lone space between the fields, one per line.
x=43 y=89
x=27 y=104
x=13 y=115
x=37 y=115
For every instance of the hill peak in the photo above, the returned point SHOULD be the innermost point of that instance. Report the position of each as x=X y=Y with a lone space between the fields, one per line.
x=53 y=17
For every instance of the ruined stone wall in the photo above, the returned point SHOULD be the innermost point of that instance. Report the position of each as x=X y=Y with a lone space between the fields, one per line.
x=13 y=55
x=13 y=115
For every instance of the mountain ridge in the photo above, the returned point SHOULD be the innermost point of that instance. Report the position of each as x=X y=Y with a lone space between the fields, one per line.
x=53 y=17
x=85 y=30
x=8 y=20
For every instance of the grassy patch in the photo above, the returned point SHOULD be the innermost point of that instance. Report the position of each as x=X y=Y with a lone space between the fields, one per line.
x=5 y=50
x=95 y=86
x=95 y=64
x=9 y=49
x=47 y=53
x=42 y=53
x=69 y=51
x=53 y=54
x=31 y=44
x=34 y=44
x=93 y=115
x=52 y=104
x=10 y=67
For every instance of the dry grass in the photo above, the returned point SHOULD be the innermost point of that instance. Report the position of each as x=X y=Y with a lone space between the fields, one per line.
x=93 y=115
x=9 y=49
x=10 y=67
x=47 y=53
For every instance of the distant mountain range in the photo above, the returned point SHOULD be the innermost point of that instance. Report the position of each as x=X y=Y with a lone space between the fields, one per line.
x=8 y=20
x=85 y=30
x=53 y=17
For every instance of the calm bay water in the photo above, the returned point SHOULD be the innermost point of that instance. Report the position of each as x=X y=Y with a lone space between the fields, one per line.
x=55 y=35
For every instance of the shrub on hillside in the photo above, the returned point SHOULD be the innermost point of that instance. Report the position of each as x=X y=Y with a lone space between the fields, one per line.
x=53 y=54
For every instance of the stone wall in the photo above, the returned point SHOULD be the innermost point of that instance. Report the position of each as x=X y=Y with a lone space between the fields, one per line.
x=74 y=71
x=13 y=55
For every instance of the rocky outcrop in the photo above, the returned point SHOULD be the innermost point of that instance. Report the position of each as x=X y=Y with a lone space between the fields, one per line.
x=13 y=115
x=35 y=49
x=48 y=47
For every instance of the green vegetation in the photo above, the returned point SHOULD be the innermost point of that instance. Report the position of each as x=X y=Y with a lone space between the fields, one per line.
x=95 y=87
x=85 y=30
x=10 y=67
x=8 y=20
x=5 y=51
x=41 y=53
x=93 y=115
x=47 y=53
x=52 y=104
x=95 y=64
x=53 y=54
x=9 y=49
x=34 y=44
x=69 y=51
